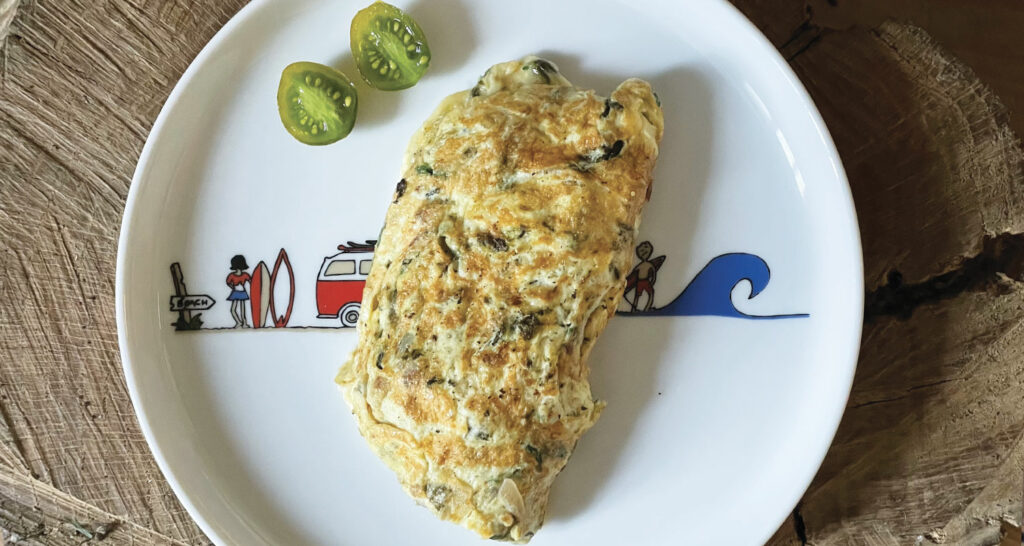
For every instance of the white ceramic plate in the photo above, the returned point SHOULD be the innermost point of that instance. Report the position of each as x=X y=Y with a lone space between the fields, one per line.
x=716 y=421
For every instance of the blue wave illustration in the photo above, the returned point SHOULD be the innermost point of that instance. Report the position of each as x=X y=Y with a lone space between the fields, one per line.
x=710 y=292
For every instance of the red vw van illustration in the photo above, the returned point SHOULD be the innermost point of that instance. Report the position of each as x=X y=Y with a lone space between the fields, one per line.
x=339 y=287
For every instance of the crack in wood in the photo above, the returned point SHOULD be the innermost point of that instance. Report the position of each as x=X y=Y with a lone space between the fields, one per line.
x=879 y=401
x=801 y=39
x=799 y=527
x=933 y=384
x=908 y=392
x=1000 y=255
x=814 y=39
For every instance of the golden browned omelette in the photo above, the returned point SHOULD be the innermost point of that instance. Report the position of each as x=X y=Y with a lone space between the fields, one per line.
x=503 y=256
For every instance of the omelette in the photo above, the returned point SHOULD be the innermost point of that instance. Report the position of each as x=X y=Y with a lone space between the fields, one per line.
x=504 y=254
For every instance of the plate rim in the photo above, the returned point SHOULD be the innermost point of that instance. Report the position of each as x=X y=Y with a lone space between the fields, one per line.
x=134 y=392
x=736 y=17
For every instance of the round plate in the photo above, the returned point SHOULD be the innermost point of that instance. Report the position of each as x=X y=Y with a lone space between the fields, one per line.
x=722 y=398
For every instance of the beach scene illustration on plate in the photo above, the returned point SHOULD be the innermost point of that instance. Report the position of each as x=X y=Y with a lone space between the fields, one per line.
x=263 y=296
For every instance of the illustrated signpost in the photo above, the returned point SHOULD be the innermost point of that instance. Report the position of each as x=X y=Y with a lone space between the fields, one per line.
x=184 y=303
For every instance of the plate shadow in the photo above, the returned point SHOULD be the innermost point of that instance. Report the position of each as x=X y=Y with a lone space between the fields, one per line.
x=624 y=368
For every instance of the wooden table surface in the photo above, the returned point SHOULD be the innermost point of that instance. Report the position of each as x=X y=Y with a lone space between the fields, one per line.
x=924 y=98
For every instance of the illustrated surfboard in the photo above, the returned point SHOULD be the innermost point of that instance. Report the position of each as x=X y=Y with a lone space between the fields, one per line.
x=260 y=286
x=633 y=276
x=282 y=259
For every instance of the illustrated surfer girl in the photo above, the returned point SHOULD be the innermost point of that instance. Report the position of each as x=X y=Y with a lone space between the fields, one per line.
x=641 y=279
x=236 y=281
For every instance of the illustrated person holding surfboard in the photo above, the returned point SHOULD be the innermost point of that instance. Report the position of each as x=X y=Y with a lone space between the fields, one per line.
x=641 y=280
x=238 y=296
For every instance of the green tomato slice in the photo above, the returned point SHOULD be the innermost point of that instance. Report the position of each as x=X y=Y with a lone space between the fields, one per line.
x=317 y=103
x=389 y=47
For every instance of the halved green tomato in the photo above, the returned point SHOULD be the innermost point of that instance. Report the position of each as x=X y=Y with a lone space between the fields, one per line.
x=317 y=103
x=390 y=48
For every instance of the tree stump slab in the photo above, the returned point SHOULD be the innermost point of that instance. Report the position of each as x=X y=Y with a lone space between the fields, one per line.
x=930 y=448
x=924 y=109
